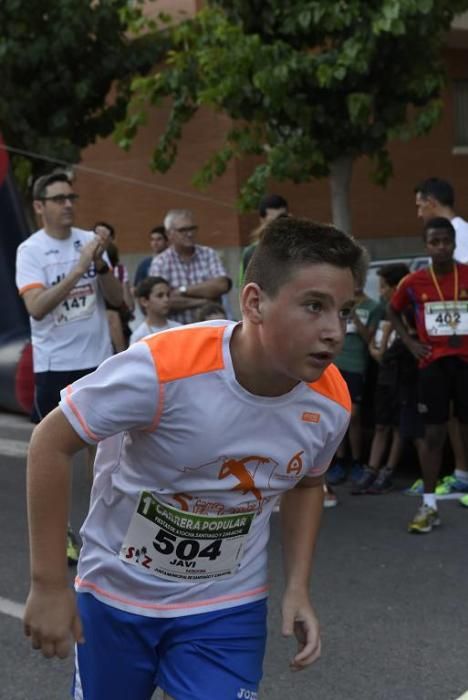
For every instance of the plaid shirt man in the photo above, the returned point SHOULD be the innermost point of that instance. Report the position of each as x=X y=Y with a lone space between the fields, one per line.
x=203 y=265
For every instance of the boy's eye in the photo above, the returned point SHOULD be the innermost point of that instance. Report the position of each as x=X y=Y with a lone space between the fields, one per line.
x=315 y=306
x=346 y=313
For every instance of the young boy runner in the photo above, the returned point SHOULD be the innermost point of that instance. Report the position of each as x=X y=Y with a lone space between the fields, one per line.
x=211 y=424
x=386 y=349
x=439 y=298
x=152 y=294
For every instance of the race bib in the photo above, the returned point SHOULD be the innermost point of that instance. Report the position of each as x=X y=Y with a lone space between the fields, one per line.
x=174 y=544
x=79 y=304
x=446 y=318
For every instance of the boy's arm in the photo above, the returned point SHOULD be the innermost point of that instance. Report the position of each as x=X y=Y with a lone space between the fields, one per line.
x=377 y=352
x=417 y=349
x=51 y=618
x=301 y=510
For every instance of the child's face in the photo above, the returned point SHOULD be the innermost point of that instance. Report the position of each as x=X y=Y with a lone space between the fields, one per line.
x=385 y=290
x=158 y=301
x=301 y=329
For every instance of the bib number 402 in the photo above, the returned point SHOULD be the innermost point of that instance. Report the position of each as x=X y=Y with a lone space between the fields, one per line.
x=448 y=317
x=164 y=542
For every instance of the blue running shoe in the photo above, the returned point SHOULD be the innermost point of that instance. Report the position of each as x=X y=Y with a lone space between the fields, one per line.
x=416 y=489
x=336 y=474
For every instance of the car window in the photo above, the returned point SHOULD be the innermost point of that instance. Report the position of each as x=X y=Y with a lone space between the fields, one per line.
x=372 y=282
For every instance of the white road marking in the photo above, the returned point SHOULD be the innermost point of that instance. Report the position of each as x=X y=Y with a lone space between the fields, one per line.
x=13 y=448
x=9 y=607
x=14 y=420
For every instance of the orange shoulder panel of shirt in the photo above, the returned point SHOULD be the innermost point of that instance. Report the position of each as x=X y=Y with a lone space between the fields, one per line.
x=186 y=352
x=332 y=385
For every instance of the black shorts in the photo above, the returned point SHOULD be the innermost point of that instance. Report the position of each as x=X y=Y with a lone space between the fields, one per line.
x=355 y=382
x=47 y=388
x=386 y=405
x=442 y=382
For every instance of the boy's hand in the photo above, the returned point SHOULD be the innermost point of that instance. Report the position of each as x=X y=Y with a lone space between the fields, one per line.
x=51 y=620
x=299 y=619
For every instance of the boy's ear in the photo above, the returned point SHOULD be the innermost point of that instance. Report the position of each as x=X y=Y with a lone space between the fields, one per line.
x=252 y=303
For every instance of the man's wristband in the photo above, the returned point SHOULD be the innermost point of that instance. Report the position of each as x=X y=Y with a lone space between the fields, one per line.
x=103 y=269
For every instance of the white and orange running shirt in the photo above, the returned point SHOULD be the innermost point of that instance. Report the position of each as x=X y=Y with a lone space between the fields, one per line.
x=189 y=468
x=75 y=335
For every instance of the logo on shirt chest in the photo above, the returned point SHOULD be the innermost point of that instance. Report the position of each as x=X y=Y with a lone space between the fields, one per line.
x=248 y=476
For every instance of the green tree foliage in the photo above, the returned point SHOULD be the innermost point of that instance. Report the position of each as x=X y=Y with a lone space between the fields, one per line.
x=65 y=73
x=310 y=84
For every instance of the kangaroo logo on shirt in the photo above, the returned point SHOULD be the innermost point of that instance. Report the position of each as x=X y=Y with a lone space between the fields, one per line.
x=237 y=468
x=247 y=475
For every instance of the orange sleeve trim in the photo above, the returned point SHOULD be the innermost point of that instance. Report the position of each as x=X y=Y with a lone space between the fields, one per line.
x=332 y=385
x=79 y=417
x=81 y=583
x=186 y=352
x=33 y=285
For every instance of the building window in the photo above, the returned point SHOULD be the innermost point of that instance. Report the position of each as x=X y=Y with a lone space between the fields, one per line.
x=461 y=113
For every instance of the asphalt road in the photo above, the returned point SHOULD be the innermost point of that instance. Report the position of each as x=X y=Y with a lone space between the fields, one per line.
x=393 y=606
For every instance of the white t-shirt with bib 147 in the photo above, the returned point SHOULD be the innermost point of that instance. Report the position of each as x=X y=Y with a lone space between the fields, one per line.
x=74 y=335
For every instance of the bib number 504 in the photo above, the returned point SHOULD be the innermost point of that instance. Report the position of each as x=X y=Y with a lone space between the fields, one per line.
x=164 y=542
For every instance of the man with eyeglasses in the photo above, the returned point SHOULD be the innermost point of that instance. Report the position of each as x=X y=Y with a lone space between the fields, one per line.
x=64 y=281
x=195 y=273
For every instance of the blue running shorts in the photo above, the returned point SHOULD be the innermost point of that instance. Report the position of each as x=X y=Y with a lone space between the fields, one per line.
x=207 y=656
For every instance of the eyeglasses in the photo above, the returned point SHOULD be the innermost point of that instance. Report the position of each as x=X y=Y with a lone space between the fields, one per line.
x=61 y=198
x=186 y=229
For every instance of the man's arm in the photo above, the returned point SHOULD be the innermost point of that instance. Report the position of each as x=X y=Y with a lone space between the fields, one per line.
x=301 y=510
x=177 y=302
x=198 y=294
x=51 y=618
x=40 y=302
x=209 y=289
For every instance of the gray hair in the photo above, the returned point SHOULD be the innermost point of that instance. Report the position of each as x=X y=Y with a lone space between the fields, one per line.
x=174 y=214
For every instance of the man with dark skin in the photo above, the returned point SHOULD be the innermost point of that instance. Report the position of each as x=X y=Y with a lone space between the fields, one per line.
x=435 y=197
x=438 y=296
